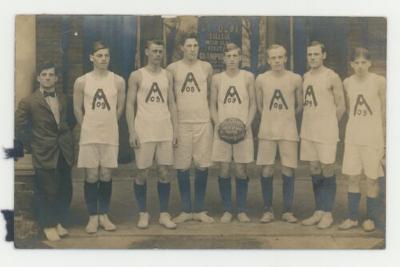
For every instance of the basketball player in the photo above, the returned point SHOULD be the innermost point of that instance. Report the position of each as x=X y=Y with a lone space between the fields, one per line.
x=232 y=96
x=364 y=140
x=192 y=79
x=323 y=107
x=151 y=132
x=99 y=98
x=279 y=98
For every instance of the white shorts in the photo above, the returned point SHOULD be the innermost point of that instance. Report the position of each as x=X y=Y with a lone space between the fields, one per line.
x=287 y=151
x=194 y=142
x=95 y=155
x=242 y=152
x=314 y=151
x=358 y=159
x=161 y=151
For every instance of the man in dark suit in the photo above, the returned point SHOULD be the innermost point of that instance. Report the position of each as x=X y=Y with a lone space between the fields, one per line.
x=41 y=121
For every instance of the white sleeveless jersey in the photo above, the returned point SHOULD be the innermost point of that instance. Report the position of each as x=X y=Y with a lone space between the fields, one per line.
x=278 y=119
x=364 y=126
x=100 y=123
x=190 y=84
x=319 y=110
x=153 y=119
x=233 y=97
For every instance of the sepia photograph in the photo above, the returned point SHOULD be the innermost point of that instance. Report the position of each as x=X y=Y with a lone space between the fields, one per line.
x=200 y=132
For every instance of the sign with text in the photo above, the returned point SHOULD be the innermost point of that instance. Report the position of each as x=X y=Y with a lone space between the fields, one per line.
x=214 y=33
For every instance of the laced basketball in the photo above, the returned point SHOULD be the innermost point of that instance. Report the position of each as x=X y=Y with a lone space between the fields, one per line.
x=232 y=130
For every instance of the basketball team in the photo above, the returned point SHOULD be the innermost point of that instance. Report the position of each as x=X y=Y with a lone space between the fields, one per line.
x=173 y=116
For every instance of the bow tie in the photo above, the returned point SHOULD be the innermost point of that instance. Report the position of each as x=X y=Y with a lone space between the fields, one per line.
x=46 y=94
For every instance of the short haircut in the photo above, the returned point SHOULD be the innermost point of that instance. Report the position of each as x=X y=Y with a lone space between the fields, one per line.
x=154 y=41
x=232 y=46
x=98 y=45
x=360 y=52
x=317 y=43
x=276 y=46
x=189 y=35
x=46 y=65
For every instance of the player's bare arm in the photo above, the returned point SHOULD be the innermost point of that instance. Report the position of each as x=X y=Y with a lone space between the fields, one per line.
x=346 y=96
x=214 y=99
x=299 y=93
x=133 y=85
x=172 y=109
x=338 y=95
x=209 y=71
x=259 y=94
x=382 y=97
x=252 y=99
x=121 y=86
x=78 y=98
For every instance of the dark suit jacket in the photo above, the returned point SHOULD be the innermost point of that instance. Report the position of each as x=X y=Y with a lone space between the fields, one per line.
x=35 y=124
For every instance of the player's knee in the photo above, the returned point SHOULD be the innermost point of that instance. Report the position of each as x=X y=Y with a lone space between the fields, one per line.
x=287 y=171
x=201 y=168
x=241 y=171
x=92 y=175
x=105 y=174
x=315 y=168
x=354 y=184
x=372 y=187
x=328 y=170
x=267 y=171
x=163 y=174
x=224 y=170
x=140 y=177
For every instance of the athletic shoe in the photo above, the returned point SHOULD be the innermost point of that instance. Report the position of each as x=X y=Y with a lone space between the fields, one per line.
x=226 y=217
x=93 y=224
x=242 y=217
x=51 y=234
x=203 y=217
x=368 y=225
x=326 y=221
x=314 y=219
x=61 y=231
x=106 y=223
x=183 y=217
x=289 y=217
x=267 y=217
x=165 y=220
x=143 y=222
x=348 y=224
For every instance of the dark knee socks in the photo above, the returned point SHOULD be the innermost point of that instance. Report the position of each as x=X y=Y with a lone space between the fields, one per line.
x=105 y=189
x=288 y=192
x=241 y=194
x=163 y=194
x=225 y=190
x=267 y=192
x=353 y=201
x=141 y=196
x=328 y=193
x=200 y=185
x=184 y=189
x=91 y=197
x=317 y=183
x=372 y=208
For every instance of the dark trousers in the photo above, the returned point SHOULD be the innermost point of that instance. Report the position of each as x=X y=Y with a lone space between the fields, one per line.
x=52 y=194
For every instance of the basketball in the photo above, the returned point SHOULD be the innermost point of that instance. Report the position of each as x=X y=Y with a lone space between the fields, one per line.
x=232 y=130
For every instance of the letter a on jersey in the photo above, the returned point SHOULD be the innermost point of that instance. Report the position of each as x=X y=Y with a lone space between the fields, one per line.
x=100 y=100
x=277 y=100
x=154 y=94
x=309 y=97
x=361 y=102
x=232 y=95
x=190 y=83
